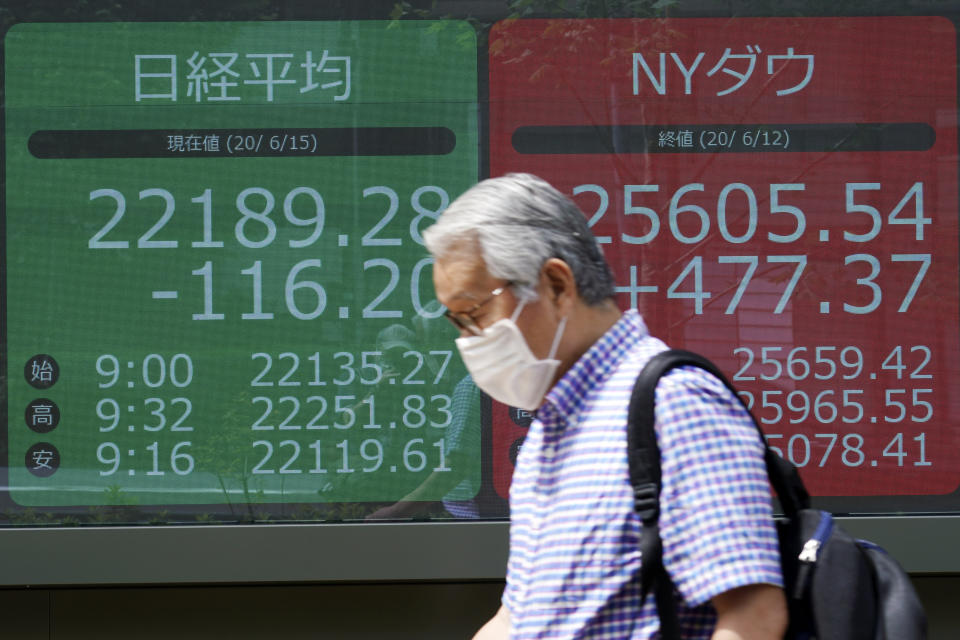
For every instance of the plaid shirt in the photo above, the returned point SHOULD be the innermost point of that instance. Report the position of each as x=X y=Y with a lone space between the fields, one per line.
x=574 y=557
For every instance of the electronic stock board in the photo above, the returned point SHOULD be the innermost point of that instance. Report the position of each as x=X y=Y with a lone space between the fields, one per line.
x=778 y=194
x=216 y=290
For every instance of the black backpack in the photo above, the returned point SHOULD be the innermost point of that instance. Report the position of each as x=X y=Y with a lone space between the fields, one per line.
x=837 y=587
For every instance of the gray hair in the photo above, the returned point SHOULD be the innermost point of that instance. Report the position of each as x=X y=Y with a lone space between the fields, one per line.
x=520 y=221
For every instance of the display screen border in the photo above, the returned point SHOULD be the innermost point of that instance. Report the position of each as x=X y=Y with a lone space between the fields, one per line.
x=417 y=551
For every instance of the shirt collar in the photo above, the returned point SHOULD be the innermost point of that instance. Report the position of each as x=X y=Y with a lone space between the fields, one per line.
x=593 y=367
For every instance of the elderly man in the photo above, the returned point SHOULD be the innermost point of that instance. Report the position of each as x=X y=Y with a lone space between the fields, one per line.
x=532 y=296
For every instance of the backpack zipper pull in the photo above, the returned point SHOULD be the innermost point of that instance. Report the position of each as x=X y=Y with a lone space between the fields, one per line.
x=809 y=553
x=807 y=558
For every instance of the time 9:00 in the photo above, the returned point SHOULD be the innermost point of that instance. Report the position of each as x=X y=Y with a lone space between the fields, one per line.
x=155 y=370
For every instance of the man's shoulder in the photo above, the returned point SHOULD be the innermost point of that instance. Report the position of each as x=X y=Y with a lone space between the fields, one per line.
x=684 y=384
x=692 y=380
x=633 y=357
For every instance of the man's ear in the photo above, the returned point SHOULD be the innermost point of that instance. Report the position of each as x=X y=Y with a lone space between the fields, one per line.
x=561 y=286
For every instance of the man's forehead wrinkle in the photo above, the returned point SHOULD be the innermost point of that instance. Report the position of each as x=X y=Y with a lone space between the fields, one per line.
x=465 y=291
x=466 y=270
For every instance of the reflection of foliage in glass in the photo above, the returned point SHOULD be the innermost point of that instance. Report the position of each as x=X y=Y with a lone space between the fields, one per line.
x=513 y=9
x=30 y=517
x=509 y=44
x=225 y=453
x=467 y=26
x=13 y=11
x=115 y=496
x=160 y=517
x=118 y=507
x=590 y=8
x=550 y=9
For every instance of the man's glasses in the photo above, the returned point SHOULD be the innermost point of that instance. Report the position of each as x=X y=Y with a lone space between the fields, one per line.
x=464 y=321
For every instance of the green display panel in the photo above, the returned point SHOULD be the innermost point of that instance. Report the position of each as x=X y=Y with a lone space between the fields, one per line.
x=216 y=288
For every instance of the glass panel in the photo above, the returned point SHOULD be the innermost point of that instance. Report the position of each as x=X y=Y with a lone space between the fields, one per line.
x=778 y=194
x=216 y=302
x=218 y=298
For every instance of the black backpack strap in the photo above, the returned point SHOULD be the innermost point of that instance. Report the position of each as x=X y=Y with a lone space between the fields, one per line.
x=643 y=456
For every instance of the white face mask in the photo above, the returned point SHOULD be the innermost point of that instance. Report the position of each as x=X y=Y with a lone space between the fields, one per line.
x=502 y=365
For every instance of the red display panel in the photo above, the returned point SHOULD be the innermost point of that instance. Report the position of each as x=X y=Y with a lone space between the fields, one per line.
x=777 y=194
